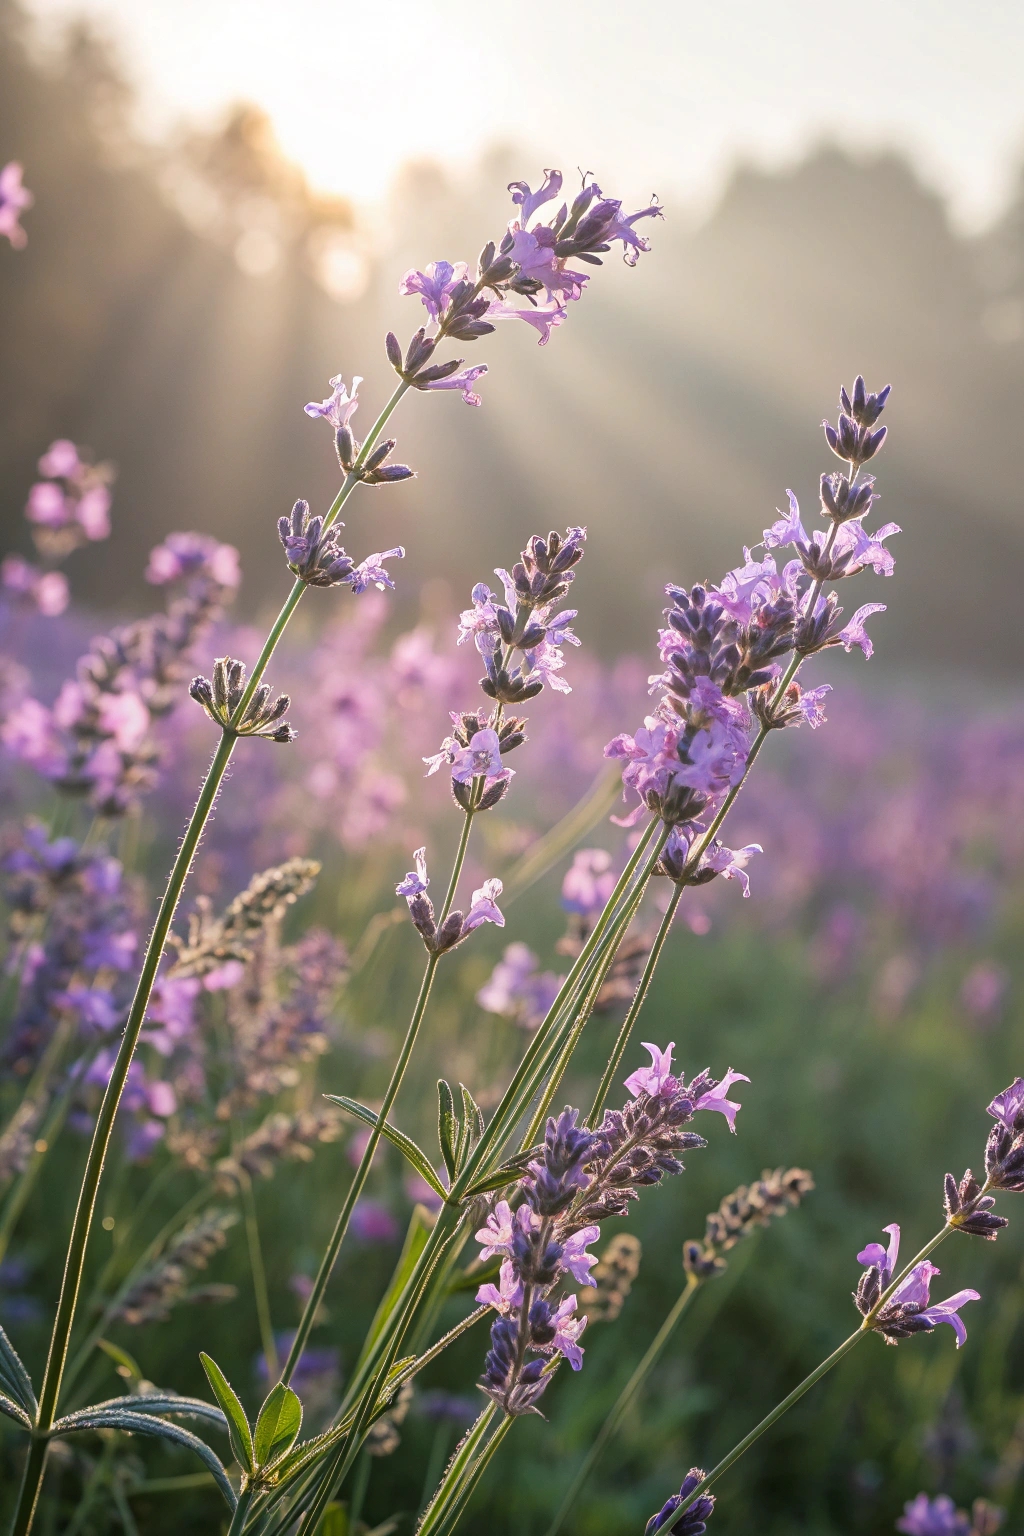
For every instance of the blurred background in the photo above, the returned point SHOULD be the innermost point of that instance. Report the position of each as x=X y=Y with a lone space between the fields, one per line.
x=225 y=198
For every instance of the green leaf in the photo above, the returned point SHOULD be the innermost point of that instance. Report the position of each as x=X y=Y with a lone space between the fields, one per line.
x=14 y=1379
x=239 y=1433
x=278 y=1425
x=405 y=1144
x=449 y=1131
x=126 y=1364
x=143 y=1424
x=14 y=1411
x=420 y=1224
x=472 y=1121
x=334 y=1522
x=303 y=1455
x=152 y=1402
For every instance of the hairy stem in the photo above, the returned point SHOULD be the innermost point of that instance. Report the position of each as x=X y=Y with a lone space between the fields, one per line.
x=78 y=1241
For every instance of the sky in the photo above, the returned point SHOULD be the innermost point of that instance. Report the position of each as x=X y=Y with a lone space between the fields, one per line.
x=650 y=95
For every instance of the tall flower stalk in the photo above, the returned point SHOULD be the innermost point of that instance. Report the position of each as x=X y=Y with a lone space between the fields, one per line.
x=531 y=263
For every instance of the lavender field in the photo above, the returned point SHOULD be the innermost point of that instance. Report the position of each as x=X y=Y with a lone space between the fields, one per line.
x=509 y=1010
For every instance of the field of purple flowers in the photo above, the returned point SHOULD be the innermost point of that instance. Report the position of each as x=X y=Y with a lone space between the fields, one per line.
x=855 y=950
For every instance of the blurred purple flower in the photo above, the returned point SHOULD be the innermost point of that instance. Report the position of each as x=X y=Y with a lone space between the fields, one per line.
x=372 y=1222
x=14 y=199
x=933 y=1517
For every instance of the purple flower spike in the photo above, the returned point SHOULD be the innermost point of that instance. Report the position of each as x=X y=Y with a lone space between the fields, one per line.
x=340 y=405
x=731 y=863
x=933 y=1517
x=483 y=908
x=908 y=1310
x=588 y=882
x=693 y=1521
x=14 y=199
x=567 y=1332
x=856 y=634
x=528 y=202
x=657 y=1080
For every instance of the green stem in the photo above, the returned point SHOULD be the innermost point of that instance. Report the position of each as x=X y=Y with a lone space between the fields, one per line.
x=360 y=1483
x=241 y=1510
x=467 y=1487
x=634 y=1008
x=509 y=1108
x=818 y=1372
x=259 y=1276
x=362 y=1172
x=78 y=1242
x=456 y=1471
x=623 y=1401
x=75 y=1262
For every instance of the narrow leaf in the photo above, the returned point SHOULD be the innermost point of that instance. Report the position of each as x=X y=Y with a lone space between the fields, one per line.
x=278 y=1425
x=448 y=1128
x=239 y=1433
x=142 y=1424
x=420 y=1224
x=303 y=1455
x=473 y=1120
x=151 y=1402
x=14 y=1411
x=14 y=1378
x=405 y=1144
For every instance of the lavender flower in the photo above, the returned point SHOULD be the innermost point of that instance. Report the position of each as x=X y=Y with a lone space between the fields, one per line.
x=14 y=199
x=457 y=925
x=933 y=1517
x=222 y=697
x=588 y=883
x=517 y=990
x=726 y=642
x=473 y=752
x=339 y=406
x=908 y=1309
x=693 y=1520
x=47 y=591
x=317 y=558
x=658 y=1082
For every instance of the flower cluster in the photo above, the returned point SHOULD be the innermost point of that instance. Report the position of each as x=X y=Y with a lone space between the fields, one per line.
x=517 y=990
x=72 y=923
x=165 y=1284
x=940 y=1517
x=314 y=553
x=578 y=1179
x=908 y=1310
x=614 y=1274
x=531 y=262
x=693 y=1519
x=457 y=925
x=222 y=697
x=743 y=1211
x=96 y=739
x=337 y=410
x=526 y=621
x=14 y=199
x=722 y=651
x=68 y=506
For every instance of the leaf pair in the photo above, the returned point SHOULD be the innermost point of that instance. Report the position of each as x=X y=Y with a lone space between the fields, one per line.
x=458 y=1133
x=258 y=1452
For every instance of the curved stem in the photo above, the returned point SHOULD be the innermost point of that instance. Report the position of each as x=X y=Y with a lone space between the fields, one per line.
x=622 y=1402
x=618 y=1050
x=78 y=1242
x=818 y=1372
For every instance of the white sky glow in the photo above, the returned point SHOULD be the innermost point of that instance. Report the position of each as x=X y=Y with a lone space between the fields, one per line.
x=651 y=95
